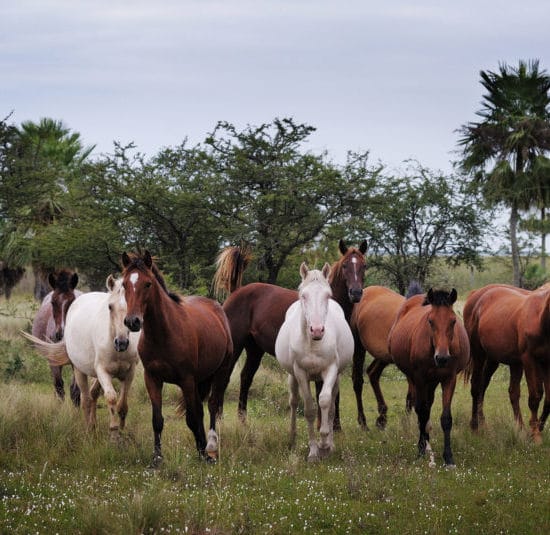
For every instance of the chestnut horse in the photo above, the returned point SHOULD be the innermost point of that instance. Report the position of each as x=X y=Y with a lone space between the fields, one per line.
x=429 y=344
x=371 y=321
x=511 y=326
x=257 y=310
x=314 y=343
x=184 y=341
x=49 y=323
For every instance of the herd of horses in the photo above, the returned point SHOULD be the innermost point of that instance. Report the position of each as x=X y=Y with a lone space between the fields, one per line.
x=314 y=332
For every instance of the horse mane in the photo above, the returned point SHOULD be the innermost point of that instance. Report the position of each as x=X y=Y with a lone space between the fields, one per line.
x=230 y=266
x=62 y=281
x=439 y=298
x=137 y=262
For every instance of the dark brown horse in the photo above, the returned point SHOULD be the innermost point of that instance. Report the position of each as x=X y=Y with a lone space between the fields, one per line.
x=49 y=322
x=511 y=326
x=184 y=341
x=429 y=344
x=257 y=311
x=371 y=321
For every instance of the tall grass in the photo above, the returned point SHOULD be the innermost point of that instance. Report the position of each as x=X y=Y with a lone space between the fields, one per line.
x=57 y=478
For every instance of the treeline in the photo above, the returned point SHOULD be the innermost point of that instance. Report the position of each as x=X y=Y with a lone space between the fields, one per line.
x=61 y=207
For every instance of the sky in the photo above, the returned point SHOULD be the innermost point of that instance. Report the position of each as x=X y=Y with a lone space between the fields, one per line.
x=394 y=77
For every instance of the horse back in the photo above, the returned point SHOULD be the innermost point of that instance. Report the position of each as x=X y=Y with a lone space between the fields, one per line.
x=493 y=321
x=258 y=310
x=373 y=317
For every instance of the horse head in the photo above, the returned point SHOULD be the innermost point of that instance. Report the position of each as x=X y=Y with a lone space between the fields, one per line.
x=117 y=312
x=314 y=293
x=350 y=268
x=441 y=320
x=63 y=285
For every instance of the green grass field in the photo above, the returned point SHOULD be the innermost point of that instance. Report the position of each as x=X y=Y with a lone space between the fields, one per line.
x=57 y=478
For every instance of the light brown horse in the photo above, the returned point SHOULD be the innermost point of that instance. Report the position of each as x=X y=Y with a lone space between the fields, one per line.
x=49 y=322
x=511 y=326
x=371 y=321
x=184 y=341
x=256 y=311
x=429 y=344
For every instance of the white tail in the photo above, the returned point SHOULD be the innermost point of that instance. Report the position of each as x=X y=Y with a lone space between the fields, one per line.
x=55 y=352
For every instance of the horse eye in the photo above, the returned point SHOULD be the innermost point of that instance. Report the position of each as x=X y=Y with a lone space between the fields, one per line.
x=431 y=322
x=147 y=285
x=110 y=306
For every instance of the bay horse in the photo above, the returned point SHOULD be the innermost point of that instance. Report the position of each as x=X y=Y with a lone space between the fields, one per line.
x=429 y=344
x=184 y=341
x=257 y=310
x=99 y=346
x=314 y=343
x=371 y=321
x=511 y=326
x=49 y=323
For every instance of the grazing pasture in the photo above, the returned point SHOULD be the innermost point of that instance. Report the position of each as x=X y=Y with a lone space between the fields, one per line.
x=56 y=478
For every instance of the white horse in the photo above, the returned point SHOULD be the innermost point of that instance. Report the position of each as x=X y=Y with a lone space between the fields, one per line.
x=99 y=345
x=314 y=343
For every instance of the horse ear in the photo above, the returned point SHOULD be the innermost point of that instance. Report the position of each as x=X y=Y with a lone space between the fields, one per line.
x=326 y=270
x=430 y=296
x=452 y=296
x=303 y=270
x=363 y=247
x=52 y=280
x=110 y=283
x=125 y=259
x=148 y=259
x=74 y=281
x=342 y=246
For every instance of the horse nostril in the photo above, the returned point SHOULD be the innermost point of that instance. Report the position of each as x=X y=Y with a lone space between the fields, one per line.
x=441 y=361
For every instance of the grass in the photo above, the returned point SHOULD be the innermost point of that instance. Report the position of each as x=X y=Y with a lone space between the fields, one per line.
x=56 y=478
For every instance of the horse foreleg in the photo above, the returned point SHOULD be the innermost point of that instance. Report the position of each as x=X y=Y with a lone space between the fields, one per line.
x=122 y=405
x=106 y=381
x=374 y=371
x=75 y=391
x=546 y=406
x=58 y=386
x=448 y=389
x=514 y=391
x=327 y=399
x=293 y=404
x=357 y=378
x=424 y=401
x=252 y=363
x=154 y=389
x=309 y=411
x=88 y=406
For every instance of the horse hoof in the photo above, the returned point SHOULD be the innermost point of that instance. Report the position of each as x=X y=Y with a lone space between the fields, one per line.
x=157 y=461
x=381 y=423
x=450 y=466
x=211 y=457
x=324 y=452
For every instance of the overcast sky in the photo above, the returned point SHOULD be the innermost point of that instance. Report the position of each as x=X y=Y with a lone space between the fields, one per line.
x=394 y=77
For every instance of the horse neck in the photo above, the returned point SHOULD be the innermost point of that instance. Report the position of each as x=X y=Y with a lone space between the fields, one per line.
x=159 y=312
x=340 y=295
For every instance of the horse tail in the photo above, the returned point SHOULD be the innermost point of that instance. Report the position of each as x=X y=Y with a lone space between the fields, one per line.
x=230 y=266
x=55 y=352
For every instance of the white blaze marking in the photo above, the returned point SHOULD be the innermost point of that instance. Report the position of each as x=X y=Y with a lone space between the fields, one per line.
x=354 y=261
x=134 y=278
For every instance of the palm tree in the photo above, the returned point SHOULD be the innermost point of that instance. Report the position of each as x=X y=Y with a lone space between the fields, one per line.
x=506 y=148
x=48 y=158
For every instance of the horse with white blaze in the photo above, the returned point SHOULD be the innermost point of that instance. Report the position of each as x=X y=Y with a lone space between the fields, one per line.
x=314 y=343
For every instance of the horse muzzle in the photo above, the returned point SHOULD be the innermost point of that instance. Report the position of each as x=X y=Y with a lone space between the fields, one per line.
x=442 y=360
x=355 y=294
x=317 y=333
x=133 y=323
x=121 y=344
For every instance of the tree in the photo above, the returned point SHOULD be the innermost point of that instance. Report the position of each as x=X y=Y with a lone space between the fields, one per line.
x=430 y=216
x=44 y=160
x=267 y=191
x=508 y=144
